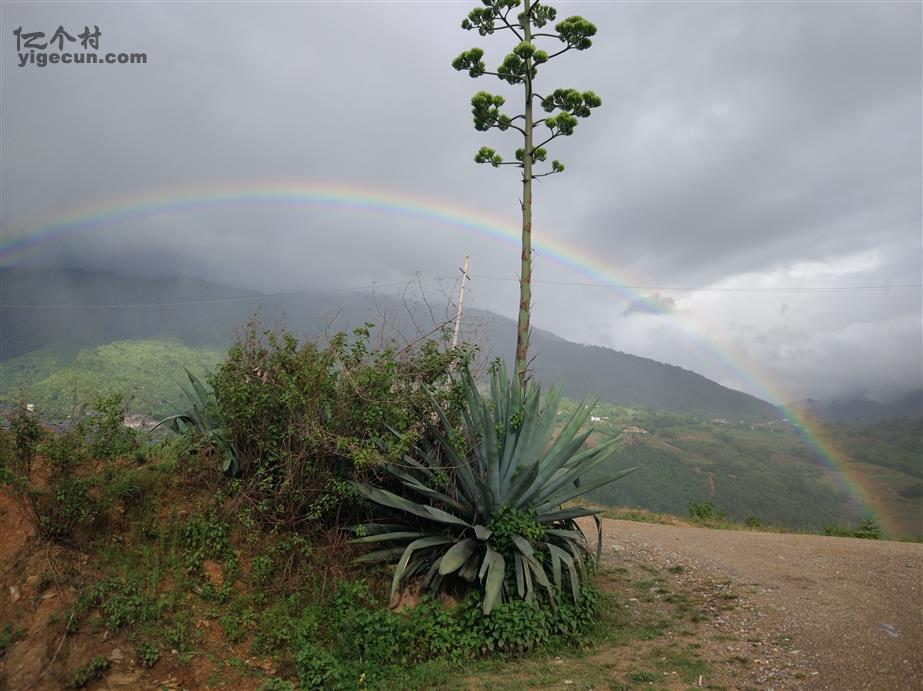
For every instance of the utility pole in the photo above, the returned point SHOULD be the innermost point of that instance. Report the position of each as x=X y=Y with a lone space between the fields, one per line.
x=461 y=301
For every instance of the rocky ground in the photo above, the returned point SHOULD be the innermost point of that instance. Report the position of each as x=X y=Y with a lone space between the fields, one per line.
x=813 y=612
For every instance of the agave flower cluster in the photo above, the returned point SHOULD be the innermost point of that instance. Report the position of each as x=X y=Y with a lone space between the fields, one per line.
x=485 y=505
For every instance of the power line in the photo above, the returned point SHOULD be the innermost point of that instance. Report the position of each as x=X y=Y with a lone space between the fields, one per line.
x=211 y=301
x=733 y=289
x=372 y=286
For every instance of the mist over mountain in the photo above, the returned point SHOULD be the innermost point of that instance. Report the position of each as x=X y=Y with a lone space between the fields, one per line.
x=70 y=310
x=862 y=409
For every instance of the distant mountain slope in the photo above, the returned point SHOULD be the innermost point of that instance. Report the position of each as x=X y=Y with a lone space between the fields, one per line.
x=129 y=311
x=766 y=470
x=862 y=409
x=147 y=373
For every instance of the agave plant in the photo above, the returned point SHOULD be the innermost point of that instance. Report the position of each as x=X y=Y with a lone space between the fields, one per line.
x=492 y=513
x=200 y=416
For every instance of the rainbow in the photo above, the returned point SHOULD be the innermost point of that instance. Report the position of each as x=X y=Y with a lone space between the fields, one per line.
x=444 y=215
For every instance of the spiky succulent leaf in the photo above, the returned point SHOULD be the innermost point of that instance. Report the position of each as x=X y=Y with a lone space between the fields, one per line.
x=499 y=503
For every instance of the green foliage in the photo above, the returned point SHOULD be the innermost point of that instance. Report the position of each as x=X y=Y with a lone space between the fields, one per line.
x=262 y=568
x=520 y=66
x=276 y=684
x=867 y=529
x=104 y=427
x=201 y=417
x=491 y=501
x=9 y=635
x=361 y=630
x=148 y=654
x=205 y=536
x=27 y=433
x=318 y=669
x=304 y=421
x=121 y=603
x=144 y=370
x=93 y=670
x=63 y=498
x=706 y=512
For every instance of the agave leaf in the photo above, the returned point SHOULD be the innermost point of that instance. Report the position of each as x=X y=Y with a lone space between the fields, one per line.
x=576 y=492
x=374 y=528
x=527 y=577
x=523 y=546
x=457 y=555
x=432 y=573
x=599 y=537
x=380 y=555
x=488 y=503
x=418 y=487
x=431 y=541
x=493 y=586
x=522 y=484
x=565 y=514
x=555 y=565
x=569 y=475
x=541 y=577
x=574 y=548
x=557 y=556
x=392 y=501
x=482 y=532
x=519 y=568
x=198 y=386
x=489 y=452
x=565 y=533
x=384 y=537
x=470 y=569
x=445 y=516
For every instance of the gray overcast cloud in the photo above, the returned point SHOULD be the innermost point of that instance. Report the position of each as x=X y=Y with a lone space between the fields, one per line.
x=760 y=145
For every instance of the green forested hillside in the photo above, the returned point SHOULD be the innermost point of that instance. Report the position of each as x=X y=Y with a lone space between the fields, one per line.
x=764 y=471
x=146 y=372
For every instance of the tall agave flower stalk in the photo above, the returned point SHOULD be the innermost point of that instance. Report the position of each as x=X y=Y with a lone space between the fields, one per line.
x=491 y=513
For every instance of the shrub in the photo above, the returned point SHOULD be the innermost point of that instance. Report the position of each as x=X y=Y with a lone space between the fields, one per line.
x=91 y=671
x=486 y=508
x=868 y=529
x=148 y=654
x=104 y=428
x=57 y=498
x=363 y=631
x=706 y=512
x=304 y=420
x=62 y=496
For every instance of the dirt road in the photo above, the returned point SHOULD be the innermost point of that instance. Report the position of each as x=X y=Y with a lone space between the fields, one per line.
x=852 y=608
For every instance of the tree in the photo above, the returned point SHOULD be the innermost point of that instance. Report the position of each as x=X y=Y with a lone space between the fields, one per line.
x=565 y=107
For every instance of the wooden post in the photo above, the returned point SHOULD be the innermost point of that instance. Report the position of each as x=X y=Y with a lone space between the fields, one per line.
x=461 y=301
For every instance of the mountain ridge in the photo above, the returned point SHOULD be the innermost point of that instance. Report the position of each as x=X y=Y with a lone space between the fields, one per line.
x=202 y=313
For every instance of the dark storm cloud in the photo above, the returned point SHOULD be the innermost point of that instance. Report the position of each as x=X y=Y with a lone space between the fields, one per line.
x=655 y=303
x=736 y=142
x=791 y=132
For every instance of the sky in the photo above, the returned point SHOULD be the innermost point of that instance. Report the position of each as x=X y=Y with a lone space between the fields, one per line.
x=767 y=146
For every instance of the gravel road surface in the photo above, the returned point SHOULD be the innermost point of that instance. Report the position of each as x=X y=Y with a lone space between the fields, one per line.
x=853 y=609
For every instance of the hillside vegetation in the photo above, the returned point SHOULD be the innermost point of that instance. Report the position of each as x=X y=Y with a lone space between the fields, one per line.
x=763 y=473
x=145 y=372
